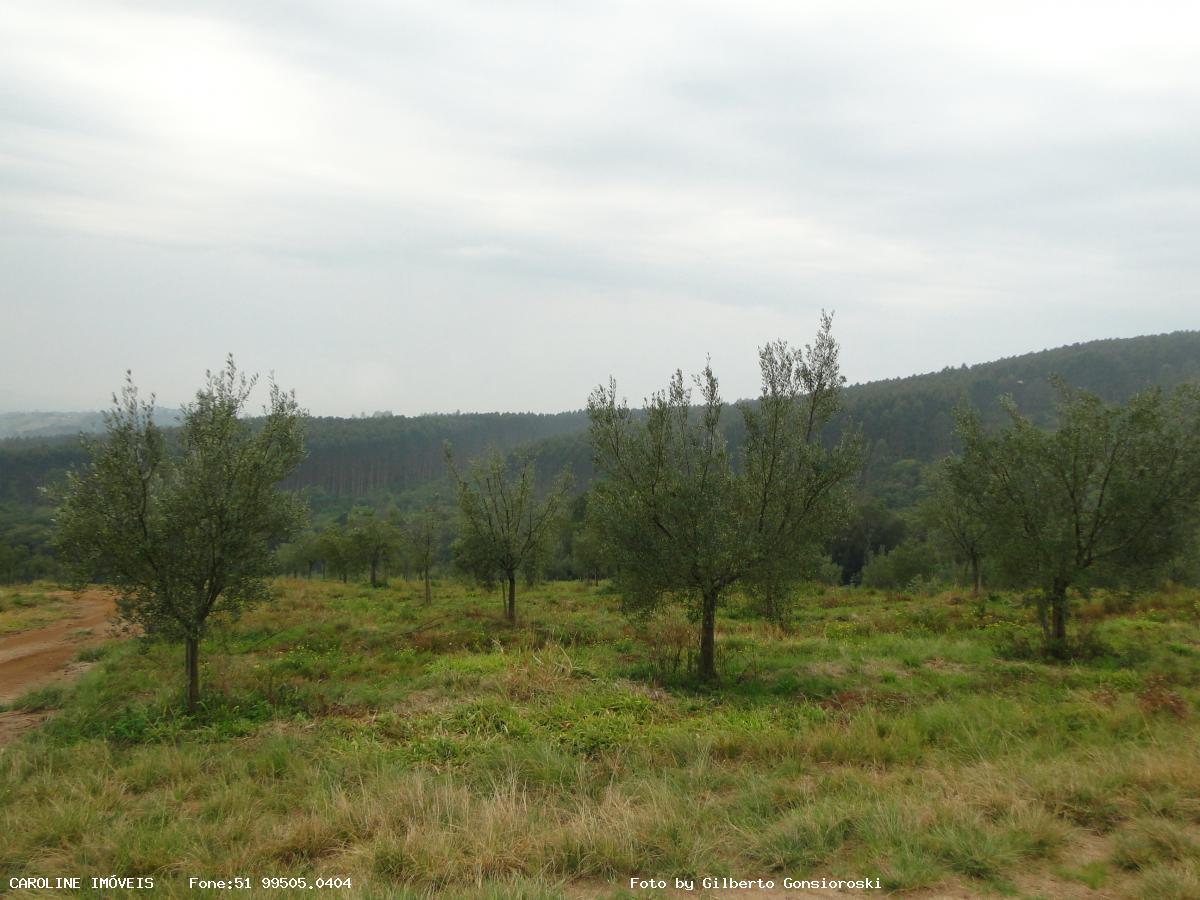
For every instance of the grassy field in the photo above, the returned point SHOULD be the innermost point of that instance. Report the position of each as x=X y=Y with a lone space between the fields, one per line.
x=23 y=608
x=434 y=750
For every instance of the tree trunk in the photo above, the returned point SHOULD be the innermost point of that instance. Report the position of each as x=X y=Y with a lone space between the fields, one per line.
x=428 y=590
x=976 y=575
x=708 y=624
x=511 y=611
x=374 y=569
x=192 y=653
x=1058 y=611
x=1058 y=620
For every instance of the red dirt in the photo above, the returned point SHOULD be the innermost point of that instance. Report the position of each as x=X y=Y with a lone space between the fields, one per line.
x=37 y=657
x=13 y=724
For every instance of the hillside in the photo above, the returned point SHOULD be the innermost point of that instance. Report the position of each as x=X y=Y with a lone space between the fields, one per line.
x=51 y=424
x=913 y=416
x=48 y=424
x=902 y=418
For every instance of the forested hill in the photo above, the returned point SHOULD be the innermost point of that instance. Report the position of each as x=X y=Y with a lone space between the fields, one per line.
x=913 y=418
x=346 y=457
x=357 y=457
x=903 y=418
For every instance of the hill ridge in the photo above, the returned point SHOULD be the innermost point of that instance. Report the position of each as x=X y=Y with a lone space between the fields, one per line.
x=907 y=417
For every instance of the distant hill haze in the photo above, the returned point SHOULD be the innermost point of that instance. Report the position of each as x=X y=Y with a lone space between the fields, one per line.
x=401 y=456
x=49 y=424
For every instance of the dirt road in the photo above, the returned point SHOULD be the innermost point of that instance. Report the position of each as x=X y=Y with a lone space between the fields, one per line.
x=33 y=658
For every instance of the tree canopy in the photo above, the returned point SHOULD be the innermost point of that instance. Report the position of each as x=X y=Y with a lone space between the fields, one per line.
x=681 y=517
x=1113 y=488
x=185 y=531
x=504 y=524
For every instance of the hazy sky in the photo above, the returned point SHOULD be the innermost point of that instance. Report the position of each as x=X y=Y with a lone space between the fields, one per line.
x=482 y=206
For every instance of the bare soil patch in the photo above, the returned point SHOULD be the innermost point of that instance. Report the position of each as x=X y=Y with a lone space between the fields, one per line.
x=40 y=656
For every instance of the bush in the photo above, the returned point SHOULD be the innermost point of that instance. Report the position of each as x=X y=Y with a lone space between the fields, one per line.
x=899 y=567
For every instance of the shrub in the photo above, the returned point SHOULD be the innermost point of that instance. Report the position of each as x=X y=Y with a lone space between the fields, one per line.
x=908 y=564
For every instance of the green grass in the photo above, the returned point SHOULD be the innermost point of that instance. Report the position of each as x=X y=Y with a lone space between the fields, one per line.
x=426 y=750
x=30 y=606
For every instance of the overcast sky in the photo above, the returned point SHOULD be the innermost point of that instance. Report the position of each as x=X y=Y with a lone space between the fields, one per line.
x=484 y=206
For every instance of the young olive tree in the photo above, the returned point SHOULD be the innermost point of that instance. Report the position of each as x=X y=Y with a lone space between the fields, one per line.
x=426 y=531
x=683 y=517
x=1113 y=488
x=337 y=552
x=954 y=512
x=300 y=556
x=185 y=532
x=372 y=540
x=504 y=526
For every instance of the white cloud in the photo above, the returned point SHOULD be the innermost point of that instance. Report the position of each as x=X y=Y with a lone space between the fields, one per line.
x=371 y=193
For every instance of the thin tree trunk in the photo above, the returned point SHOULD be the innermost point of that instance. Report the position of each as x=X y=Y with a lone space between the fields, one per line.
x=428 y=589
x=374 y=568
x=192 y=654
x=708 y=624
x=1058 y=612
x=1058 y=620
x=977 y=575
x=511 y=611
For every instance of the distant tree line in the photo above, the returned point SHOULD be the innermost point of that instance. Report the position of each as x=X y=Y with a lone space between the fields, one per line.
x=372 y=544
x=683 y=508
x=359 y=457
x=905 y=420
x=907 y=426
